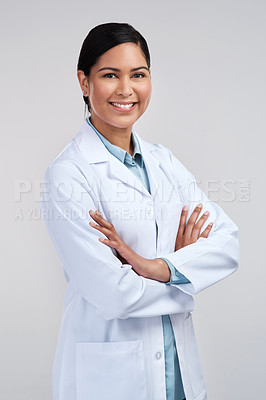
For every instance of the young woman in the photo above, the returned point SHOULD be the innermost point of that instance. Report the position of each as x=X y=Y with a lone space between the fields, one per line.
x=136 y=239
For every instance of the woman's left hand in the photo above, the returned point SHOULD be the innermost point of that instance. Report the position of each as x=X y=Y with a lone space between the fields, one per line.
x=154 y=269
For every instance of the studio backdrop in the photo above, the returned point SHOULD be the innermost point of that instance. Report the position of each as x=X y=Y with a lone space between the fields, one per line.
x=208 y=68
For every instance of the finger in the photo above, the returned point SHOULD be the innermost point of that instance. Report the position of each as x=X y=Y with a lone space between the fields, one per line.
x=206 y=231
x=197 y=227
x=182 y=222
x=193 y=219
x=96 y=216
x=107 y=232
x=108 y=242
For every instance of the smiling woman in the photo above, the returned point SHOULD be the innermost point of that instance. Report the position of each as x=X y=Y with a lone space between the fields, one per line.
x=117 y=99
x=136 y=237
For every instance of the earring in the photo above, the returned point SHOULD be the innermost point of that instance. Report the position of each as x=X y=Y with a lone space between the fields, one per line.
x=84 y=92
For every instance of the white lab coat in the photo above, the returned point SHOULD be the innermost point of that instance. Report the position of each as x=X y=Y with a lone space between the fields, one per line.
x=110 y=345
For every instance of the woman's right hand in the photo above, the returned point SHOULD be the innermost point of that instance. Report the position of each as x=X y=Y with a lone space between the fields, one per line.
x=190 y=232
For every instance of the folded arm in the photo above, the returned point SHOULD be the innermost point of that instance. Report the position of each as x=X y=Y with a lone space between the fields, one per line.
x=206 y=248
x=210 y=259
x=114 y=289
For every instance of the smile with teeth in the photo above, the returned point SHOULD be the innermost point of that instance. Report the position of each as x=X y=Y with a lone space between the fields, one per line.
x=125 y=106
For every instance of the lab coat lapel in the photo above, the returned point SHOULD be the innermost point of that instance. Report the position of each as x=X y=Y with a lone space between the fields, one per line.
x=95 y=152
x=151 y=164
x=119 y=171
x=163 y=186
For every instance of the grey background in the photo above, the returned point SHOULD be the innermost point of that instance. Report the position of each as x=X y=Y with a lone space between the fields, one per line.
x=208 y=107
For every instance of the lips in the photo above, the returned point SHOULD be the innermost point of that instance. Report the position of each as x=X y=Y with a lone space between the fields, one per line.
x=123 y=106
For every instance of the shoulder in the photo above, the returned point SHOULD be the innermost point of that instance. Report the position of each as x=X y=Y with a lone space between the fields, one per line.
x=68 y=165
x=75 y=157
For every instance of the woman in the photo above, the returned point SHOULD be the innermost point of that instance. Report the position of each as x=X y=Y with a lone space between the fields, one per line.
x=135 y=237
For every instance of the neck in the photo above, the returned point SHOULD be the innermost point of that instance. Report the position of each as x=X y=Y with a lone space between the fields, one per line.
x=120 y=137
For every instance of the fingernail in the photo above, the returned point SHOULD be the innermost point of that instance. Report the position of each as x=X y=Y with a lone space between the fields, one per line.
x=206 y=213
x=200 y=205
x=97 y=212
x=211 y=224
x=185 y=208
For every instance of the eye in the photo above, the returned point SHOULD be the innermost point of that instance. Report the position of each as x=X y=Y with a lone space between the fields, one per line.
x=109 y=75
x=139 y=75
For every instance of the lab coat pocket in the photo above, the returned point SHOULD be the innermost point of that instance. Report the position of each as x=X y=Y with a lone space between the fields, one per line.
x=110 y=370
x=192 y=356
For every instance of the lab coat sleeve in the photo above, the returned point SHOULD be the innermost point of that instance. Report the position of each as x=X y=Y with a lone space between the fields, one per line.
x=211 y=259
x=176 y=276
x=91 y=267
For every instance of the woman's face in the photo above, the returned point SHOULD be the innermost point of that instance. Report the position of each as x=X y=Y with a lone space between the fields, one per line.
x=119 y=87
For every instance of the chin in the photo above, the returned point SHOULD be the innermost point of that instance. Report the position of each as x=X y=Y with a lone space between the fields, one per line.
x=123 y=122
x=123 y=126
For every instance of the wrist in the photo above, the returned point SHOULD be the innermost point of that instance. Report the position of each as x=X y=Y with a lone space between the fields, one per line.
x=126 y=252
x=138 y=263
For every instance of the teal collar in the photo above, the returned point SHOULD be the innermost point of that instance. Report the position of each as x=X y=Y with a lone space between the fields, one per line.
x=119 y=153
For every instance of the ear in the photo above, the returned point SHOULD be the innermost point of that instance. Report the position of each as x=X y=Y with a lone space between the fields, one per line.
x=83 y=81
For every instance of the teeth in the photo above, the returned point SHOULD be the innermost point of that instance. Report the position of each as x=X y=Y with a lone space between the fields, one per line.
x=123 y=105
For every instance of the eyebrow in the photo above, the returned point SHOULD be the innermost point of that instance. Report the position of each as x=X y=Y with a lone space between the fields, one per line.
x=118 y=70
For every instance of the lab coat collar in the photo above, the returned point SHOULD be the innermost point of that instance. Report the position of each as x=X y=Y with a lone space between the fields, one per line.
x=95 y=152
x=119 y=153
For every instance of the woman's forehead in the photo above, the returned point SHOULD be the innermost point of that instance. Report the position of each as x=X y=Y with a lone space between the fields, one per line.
x=125 y=54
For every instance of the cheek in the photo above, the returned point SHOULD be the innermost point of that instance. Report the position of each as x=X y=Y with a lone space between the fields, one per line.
x=145 y=94
x=100 y=93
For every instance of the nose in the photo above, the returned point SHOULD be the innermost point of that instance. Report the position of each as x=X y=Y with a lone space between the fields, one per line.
x=124 y=87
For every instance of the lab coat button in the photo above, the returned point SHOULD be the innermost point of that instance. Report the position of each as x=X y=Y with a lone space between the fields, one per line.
x=150 y=211
x=158 y=355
